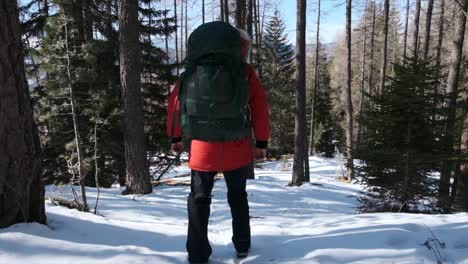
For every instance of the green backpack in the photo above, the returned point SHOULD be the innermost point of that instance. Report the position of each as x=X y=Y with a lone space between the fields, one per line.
x=213 y=90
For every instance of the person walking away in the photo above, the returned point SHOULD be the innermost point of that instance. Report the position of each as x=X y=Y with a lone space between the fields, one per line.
x=217 y=102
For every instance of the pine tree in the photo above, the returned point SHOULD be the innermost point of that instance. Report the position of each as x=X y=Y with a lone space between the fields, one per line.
x=404 y=146
x=21 y=189
x=278 y=80
x=327 y=130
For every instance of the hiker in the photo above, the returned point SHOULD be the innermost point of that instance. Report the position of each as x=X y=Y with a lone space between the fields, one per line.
x=217 y=103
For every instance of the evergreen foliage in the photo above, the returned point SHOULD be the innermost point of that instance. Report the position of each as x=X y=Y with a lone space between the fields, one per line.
x=405 y=145
x=277 y=57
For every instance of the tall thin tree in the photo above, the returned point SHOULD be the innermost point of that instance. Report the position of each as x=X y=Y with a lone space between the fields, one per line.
x=452 y=90
x=138 y=178
x=440 y=36
x=372 y=47
x=21 y=188
x=240 y=14
x=176 y=36
x=416 y=31
x=363 y=77
x=348 y=101
x=383 y=68
x=405 y=38
x=316 y=82
x=203 y=11
x=427 y=29
x=300 y=127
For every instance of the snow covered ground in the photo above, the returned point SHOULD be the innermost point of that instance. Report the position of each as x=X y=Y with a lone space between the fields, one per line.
x=314 y=223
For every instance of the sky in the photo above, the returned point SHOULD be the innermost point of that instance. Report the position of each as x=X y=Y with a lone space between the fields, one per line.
x=332 y=21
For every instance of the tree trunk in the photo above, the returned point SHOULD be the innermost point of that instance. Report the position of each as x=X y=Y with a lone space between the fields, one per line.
x=461 y=196
x=240 y=14
x=427 y=31
x=316 y=83
x=182 y=44
x=371 y=61
x=76 y=129
x=226 y=11
x=203 y=11
x=186 y=27
x=416 y=31
x=440 y=36
x=363 y=79
x=452 y=90
x=21 y=189
x=300 y=128
x=349 y=103
x=405 y=41
x=138 y=178
x=383 y=68
x=221 y=8
x=176 y=36
x=250 y=18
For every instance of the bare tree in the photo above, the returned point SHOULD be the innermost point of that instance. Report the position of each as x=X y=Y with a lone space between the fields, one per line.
x=176 y=36
x=348 y=101
x=76 y=130
x=416 y=31
x=452 y=90
x=203 y=11
x=300 y=128
x=440 y=36
x=461 y=195
x=221 y=8
x=21 y=189
x=427 y=31
x=372 y=47
x=405 y=38
x=240 y=14
x=226 y=11
x=363 y=78
x=383 y=68
x=138 y=178
x=316 y=82
x=250 y=17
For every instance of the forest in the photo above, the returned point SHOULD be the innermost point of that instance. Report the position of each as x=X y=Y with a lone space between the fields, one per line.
x=84 y=88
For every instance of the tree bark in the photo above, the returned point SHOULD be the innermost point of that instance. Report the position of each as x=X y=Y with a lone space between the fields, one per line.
x=240 y=14
x=203 y=11
x=461 y=196
x=348 y=102
x=383 y=68
x=416 y=31
x=250 y=18
x=427 y=31
x=372 y=46
x=300 y=128
x=405 y=41
x=363 y=79
x=316 y=83
x=138 y=178
x=452 y=90
x=176 y=36
x=21 y=189
x=440 y=36
x=221 y=9
x=226 y=11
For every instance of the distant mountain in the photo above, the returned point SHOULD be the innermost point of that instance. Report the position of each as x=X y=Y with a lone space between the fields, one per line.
x=328 y=47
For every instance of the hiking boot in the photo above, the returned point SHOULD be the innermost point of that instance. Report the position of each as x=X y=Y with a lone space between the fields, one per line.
x=242 y=254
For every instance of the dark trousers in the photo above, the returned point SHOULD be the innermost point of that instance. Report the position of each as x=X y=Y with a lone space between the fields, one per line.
x=199 y=201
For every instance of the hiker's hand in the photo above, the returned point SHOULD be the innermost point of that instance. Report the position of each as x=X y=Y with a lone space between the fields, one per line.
x=178 y=147
x=260 y=154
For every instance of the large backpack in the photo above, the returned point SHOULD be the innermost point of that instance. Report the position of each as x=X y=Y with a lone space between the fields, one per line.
x=213 y=90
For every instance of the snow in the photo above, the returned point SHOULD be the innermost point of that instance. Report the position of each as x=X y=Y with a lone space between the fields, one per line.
x=313 y=223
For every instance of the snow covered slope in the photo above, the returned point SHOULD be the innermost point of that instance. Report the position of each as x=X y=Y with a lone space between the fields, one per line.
x=314 y=223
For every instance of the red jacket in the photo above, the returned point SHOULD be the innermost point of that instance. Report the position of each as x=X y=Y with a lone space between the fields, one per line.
x=231 y=155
